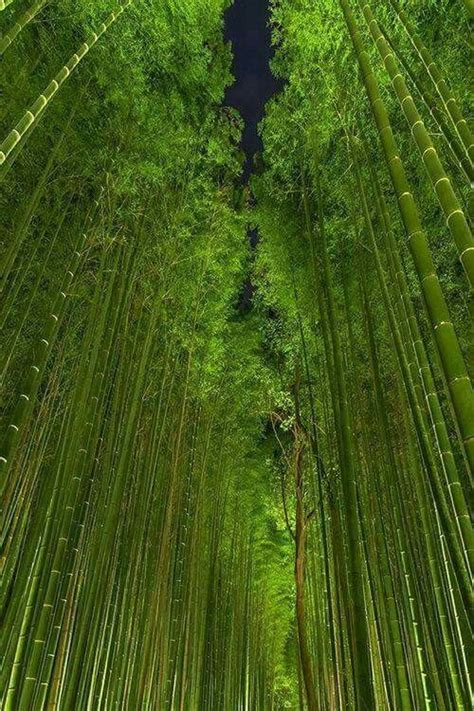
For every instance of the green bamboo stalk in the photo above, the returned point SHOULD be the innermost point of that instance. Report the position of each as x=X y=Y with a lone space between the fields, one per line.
x=20 y=24
x=319 y=494
x=417 y=412
x=59 y=493
x=438 y=80
x=406 y=376
x=338 y=590
x=453 y=482
x=361 y=657
x=455 y=218
x=415 y=624
x=452 y=360
x=32 y=116
x=387 y=593
x=25 y=402
x=457 y=152
x=94 y=602
x=469 y=5
x=320 y=474
x=381 y=656
x=19 y=611
x=35 y=662
x=90 y=406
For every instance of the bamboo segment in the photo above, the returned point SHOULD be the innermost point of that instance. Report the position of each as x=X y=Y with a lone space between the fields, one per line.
x=455 y=147
x=20 y=25
x=32 y=380
x=446 y=340
x=439 y=82
x=455 y=218
x=423 y=367
x=469 y=5
x=364 y=692
x=31 y=117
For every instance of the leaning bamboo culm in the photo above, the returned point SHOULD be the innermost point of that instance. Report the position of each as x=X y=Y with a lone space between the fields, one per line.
x=450 y=352
x=20 y=24
x=440 y=84
x=5 y=3
x=33 y=114
x=455 y=217
x=457 y=152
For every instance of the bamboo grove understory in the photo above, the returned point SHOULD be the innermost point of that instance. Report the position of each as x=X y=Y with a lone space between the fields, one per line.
x=209 y=504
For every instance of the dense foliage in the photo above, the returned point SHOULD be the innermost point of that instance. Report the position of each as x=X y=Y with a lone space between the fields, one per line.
x=208 y=506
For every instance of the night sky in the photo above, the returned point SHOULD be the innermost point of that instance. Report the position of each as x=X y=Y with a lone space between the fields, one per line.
x=246 y=27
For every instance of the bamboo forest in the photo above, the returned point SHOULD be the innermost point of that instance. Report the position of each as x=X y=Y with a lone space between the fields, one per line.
x=236 y=411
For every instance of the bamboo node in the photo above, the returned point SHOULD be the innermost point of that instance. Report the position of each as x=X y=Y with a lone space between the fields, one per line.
x=440 y=180
x=457 y=210
x=461 y=377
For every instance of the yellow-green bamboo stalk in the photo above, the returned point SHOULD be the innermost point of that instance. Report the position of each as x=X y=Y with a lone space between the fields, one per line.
x=456 y=149
x=20 y=24
x=438 y=80
x=25 y=401
x=469 y=5
x=423 y=367
x=33 y=114
x=455 y=218
x=451 y=356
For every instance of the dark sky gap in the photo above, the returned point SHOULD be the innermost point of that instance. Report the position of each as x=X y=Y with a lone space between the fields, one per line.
x=247 y=27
